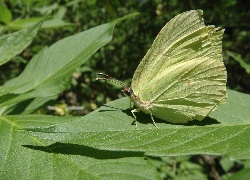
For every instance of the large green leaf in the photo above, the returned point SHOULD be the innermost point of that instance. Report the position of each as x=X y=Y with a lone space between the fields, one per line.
x=104 y=144
x=25 y=157
x=109 y=128
x=235 y=111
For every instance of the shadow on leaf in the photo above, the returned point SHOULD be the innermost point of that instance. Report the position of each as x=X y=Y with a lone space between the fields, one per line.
x=75 y=149
x=146 y=119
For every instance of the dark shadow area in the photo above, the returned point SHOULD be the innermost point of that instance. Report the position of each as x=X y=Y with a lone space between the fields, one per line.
x=146 y=119
x=143 y=118
x=75 y=149
x=204 y=122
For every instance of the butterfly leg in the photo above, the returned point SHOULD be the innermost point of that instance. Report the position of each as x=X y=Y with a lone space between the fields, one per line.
x=134 y=110
x=153 y=121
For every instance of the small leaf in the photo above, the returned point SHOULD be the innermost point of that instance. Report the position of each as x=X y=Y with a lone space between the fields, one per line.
x=13 y=44
x=5 y=15
x=25 y=23
x=238 y=58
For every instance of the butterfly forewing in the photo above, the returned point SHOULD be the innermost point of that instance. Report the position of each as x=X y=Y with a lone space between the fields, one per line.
x=182 y=76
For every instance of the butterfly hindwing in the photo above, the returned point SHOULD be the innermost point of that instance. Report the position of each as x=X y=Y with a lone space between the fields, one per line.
x=182 y=76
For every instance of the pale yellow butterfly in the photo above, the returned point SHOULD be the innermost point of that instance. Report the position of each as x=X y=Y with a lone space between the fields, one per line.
x=182 y=77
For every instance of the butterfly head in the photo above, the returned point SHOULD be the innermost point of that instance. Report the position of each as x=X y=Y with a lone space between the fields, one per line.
x=128 y=91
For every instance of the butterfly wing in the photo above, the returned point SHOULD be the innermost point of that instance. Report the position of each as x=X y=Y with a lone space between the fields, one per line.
x=182 y=76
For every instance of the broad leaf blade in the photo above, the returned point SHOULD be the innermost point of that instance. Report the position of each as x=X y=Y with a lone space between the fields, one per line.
x=235 y=111
x=110 y=128
x=25 y=157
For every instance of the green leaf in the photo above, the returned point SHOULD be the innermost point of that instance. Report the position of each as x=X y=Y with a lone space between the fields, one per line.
x=242 y=175
x=109 y=128
x=28 y=106
x=25 y=157
x=235 y=111
x=48 y=73
x=25 y=23
x=5 y=15
x=56 y=23
x=13 y=44
x=238 y=58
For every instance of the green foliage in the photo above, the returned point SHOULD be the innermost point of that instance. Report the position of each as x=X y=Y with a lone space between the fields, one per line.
x=109 y=128
x=104 y=144
x=5 y=15
x=238 y=58
x=106 y=139
x=41 y=76
x=40 y=80
x=243 y=175
x=13 y=44
x=28 y=158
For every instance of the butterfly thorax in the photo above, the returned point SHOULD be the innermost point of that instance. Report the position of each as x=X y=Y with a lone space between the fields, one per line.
x=142 y=105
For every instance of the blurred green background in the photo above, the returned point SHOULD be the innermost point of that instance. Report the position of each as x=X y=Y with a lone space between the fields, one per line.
x=132 y=38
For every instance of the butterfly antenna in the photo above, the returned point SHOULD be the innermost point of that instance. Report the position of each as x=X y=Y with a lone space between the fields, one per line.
x=111 y=79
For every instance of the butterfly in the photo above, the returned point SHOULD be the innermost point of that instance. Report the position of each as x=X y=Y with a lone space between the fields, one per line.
x=182 y=76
